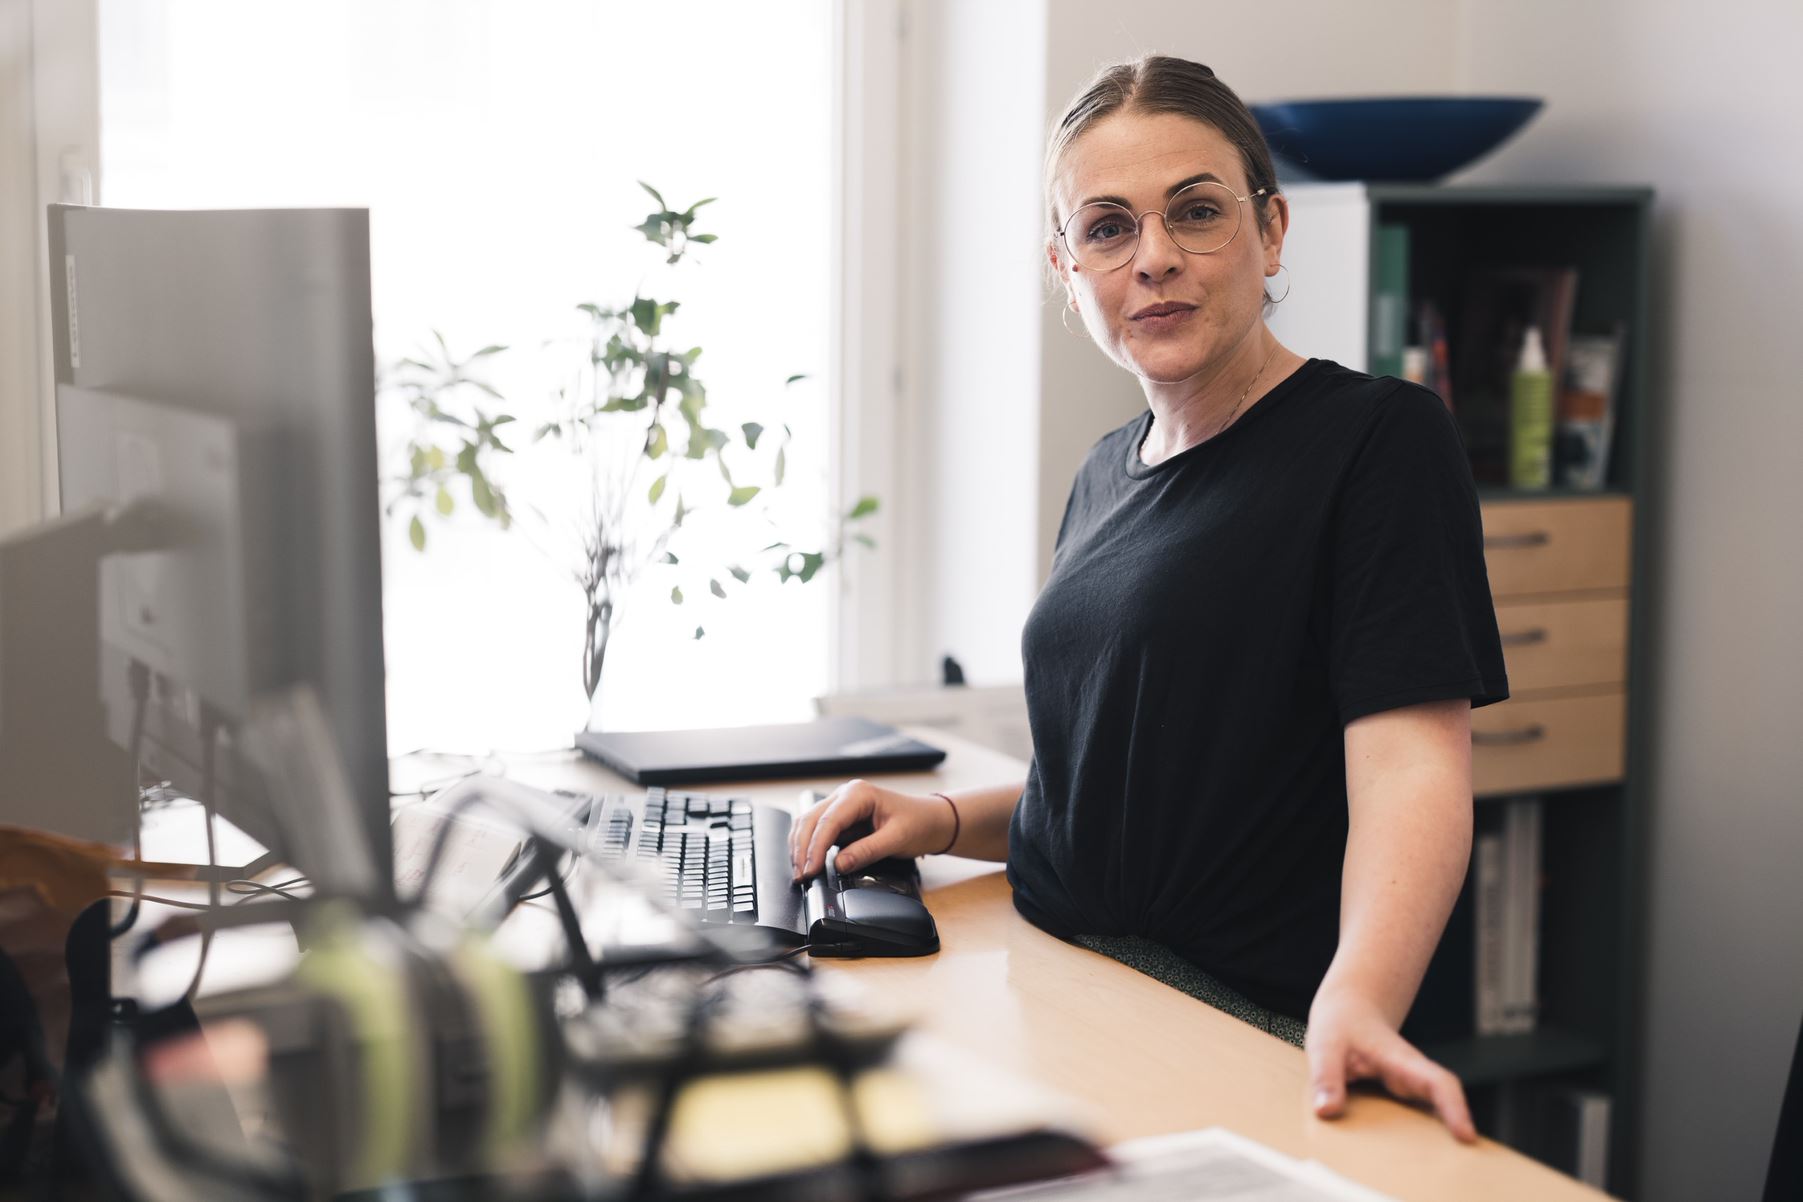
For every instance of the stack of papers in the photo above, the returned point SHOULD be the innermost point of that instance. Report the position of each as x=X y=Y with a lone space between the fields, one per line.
x=1198 y=1165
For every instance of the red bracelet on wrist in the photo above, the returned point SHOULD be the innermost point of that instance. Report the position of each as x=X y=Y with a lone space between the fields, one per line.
x=957 y=823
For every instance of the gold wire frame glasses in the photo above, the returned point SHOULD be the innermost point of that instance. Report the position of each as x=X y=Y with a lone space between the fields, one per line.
x=1200 y=219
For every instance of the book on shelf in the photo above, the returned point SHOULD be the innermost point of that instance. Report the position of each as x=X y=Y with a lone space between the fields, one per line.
x=1488 y=958
x=1573 y=1134
x=1586 y=410
x=1500 y=305
x=1507 y=922
x=1435 y=351
x=1390 y=301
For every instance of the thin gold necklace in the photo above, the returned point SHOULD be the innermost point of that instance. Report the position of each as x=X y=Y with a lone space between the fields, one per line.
x=1244 y=393
x=1247 y=391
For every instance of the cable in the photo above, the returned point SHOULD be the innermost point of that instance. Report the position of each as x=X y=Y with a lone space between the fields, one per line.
x=139 y=676
x=210 y=727
x=249 y=889
x=161 y=901
x=492 y=762
x=780 y=960
x=568 y=874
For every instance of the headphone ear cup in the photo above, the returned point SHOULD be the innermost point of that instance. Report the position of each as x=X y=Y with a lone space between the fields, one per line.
x=374 y=1100
x=517 y=1030
x=460 y=1066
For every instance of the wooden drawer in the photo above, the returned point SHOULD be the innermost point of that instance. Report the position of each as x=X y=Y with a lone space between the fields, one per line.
x=1557 y=644
x=1557 y=545
x=1545 y=742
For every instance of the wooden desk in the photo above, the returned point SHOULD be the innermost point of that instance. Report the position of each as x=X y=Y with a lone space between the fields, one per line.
x=1146 y=1058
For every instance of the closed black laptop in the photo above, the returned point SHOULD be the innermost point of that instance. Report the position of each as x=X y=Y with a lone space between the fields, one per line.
x=825 y=747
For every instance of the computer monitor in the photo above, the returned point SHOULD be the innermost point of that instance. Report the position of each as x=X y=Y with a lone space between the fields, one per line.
x=219 y=366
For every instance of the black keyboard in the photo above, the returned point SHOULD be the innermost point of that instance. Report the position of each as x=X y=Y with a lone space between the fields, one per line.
x=702 y=842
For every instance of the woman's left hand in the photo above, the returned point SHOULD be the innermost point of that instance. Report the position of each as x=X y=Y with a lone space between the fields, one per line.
x=1349 y=1039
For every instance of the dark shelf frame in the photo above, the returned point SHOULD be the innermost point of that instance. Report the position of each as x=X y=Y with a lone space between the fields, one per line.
x=1494 y=1059
x=1593 y=933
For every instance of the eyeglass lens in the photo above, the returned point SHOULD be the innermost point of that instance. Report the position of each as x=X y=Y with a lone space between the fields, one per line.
x=1201 y=219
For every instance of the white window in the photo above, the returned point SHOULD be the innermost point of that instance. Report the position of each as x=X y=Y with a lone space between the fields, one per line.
x=497 y=146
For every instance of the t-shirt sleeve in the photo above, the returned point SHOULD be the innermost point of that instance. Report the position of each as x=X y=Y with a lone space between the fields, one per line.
x=1410 y=617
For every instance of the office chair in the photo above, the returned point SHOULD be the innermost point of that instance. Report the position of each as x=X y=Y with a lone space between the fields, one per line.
x=1784 y=1179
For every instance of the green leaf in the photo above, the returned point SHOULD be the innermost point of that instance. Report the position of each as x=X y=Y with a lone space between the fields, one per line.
x=657 y=442
x=445 y=503
x=713 y=586
x=416 y=531
x=699 y=632
x=483 y=495
x=419 y=463
x=657 y=487
x=488 y=350
x=704 y=238
x=669 y=557
x=742 y=494
x=676 y=595
x=776 y=546
x=782 y=463
x=655 y=229
x=690 y=211
x=680 y=511
x=864 y=508
x=739 y=574
x=796 y=378
x=752 y=431
x=655 y=195
x=435 y=459
x=645 y=315
x=592 y=310
x=864 y=540
x=810 y=563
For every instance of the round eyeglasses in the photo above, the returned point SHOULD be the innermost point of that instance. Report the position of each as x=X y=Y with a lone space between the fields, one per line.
x=1201 y=219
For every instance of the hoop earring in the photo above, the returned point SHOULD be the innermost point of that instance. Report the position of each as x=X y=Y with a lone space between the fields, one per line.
x=1278 y=300
x=1064 y=314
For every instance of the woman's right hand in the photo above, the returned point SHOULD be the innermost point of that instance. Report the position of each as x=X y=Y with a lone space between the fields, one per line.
x=902 y=824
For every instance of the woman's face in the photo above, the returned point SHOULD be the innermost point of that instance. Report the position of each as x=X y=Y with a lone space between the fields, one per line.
x=1141 y=159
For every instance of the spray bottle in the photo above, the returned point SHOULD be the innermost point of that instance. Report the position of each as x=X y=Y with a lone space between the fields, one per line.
x=1531 y=416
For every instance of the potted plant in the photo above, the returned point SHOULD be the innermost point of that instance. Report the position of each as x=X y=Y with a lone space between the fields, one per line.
x=631 y=415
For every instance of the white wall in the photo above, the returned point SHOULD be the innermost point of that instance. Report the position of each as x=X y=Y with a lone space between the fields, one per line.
x=971 y=359
x=49 y=139
x=1703 y=102
x=19 y=396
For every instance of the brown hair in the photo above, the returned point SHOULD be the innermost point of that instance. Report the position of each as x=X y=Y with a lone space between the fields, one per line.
x=1160 y=84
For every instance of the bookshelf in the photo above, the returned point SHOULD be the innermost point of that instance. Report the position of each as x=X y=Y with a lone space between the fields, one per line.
x=1569 y=572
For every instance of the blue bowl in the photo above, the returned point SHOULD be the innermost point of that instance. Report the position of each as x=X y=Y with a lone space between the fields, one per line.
x=1416 y=139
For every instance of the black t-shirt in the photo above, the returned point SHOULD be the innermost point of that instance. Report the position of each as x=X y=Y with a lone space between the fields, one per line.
x=1210 y=626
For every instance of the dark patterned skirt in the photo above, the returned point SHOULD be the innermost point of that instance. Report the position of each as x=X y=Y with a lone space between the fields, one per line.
x=1162 y=964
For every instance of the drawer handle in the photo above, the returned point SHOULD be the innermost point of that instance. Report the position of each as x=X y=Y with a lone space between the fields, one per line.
x=1516 y=542
x=1508 y=738
x=1525 y=638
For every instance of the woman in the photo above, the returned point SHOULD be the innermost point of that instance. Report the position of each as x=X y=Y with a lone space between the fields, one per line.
x=1249 y=676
